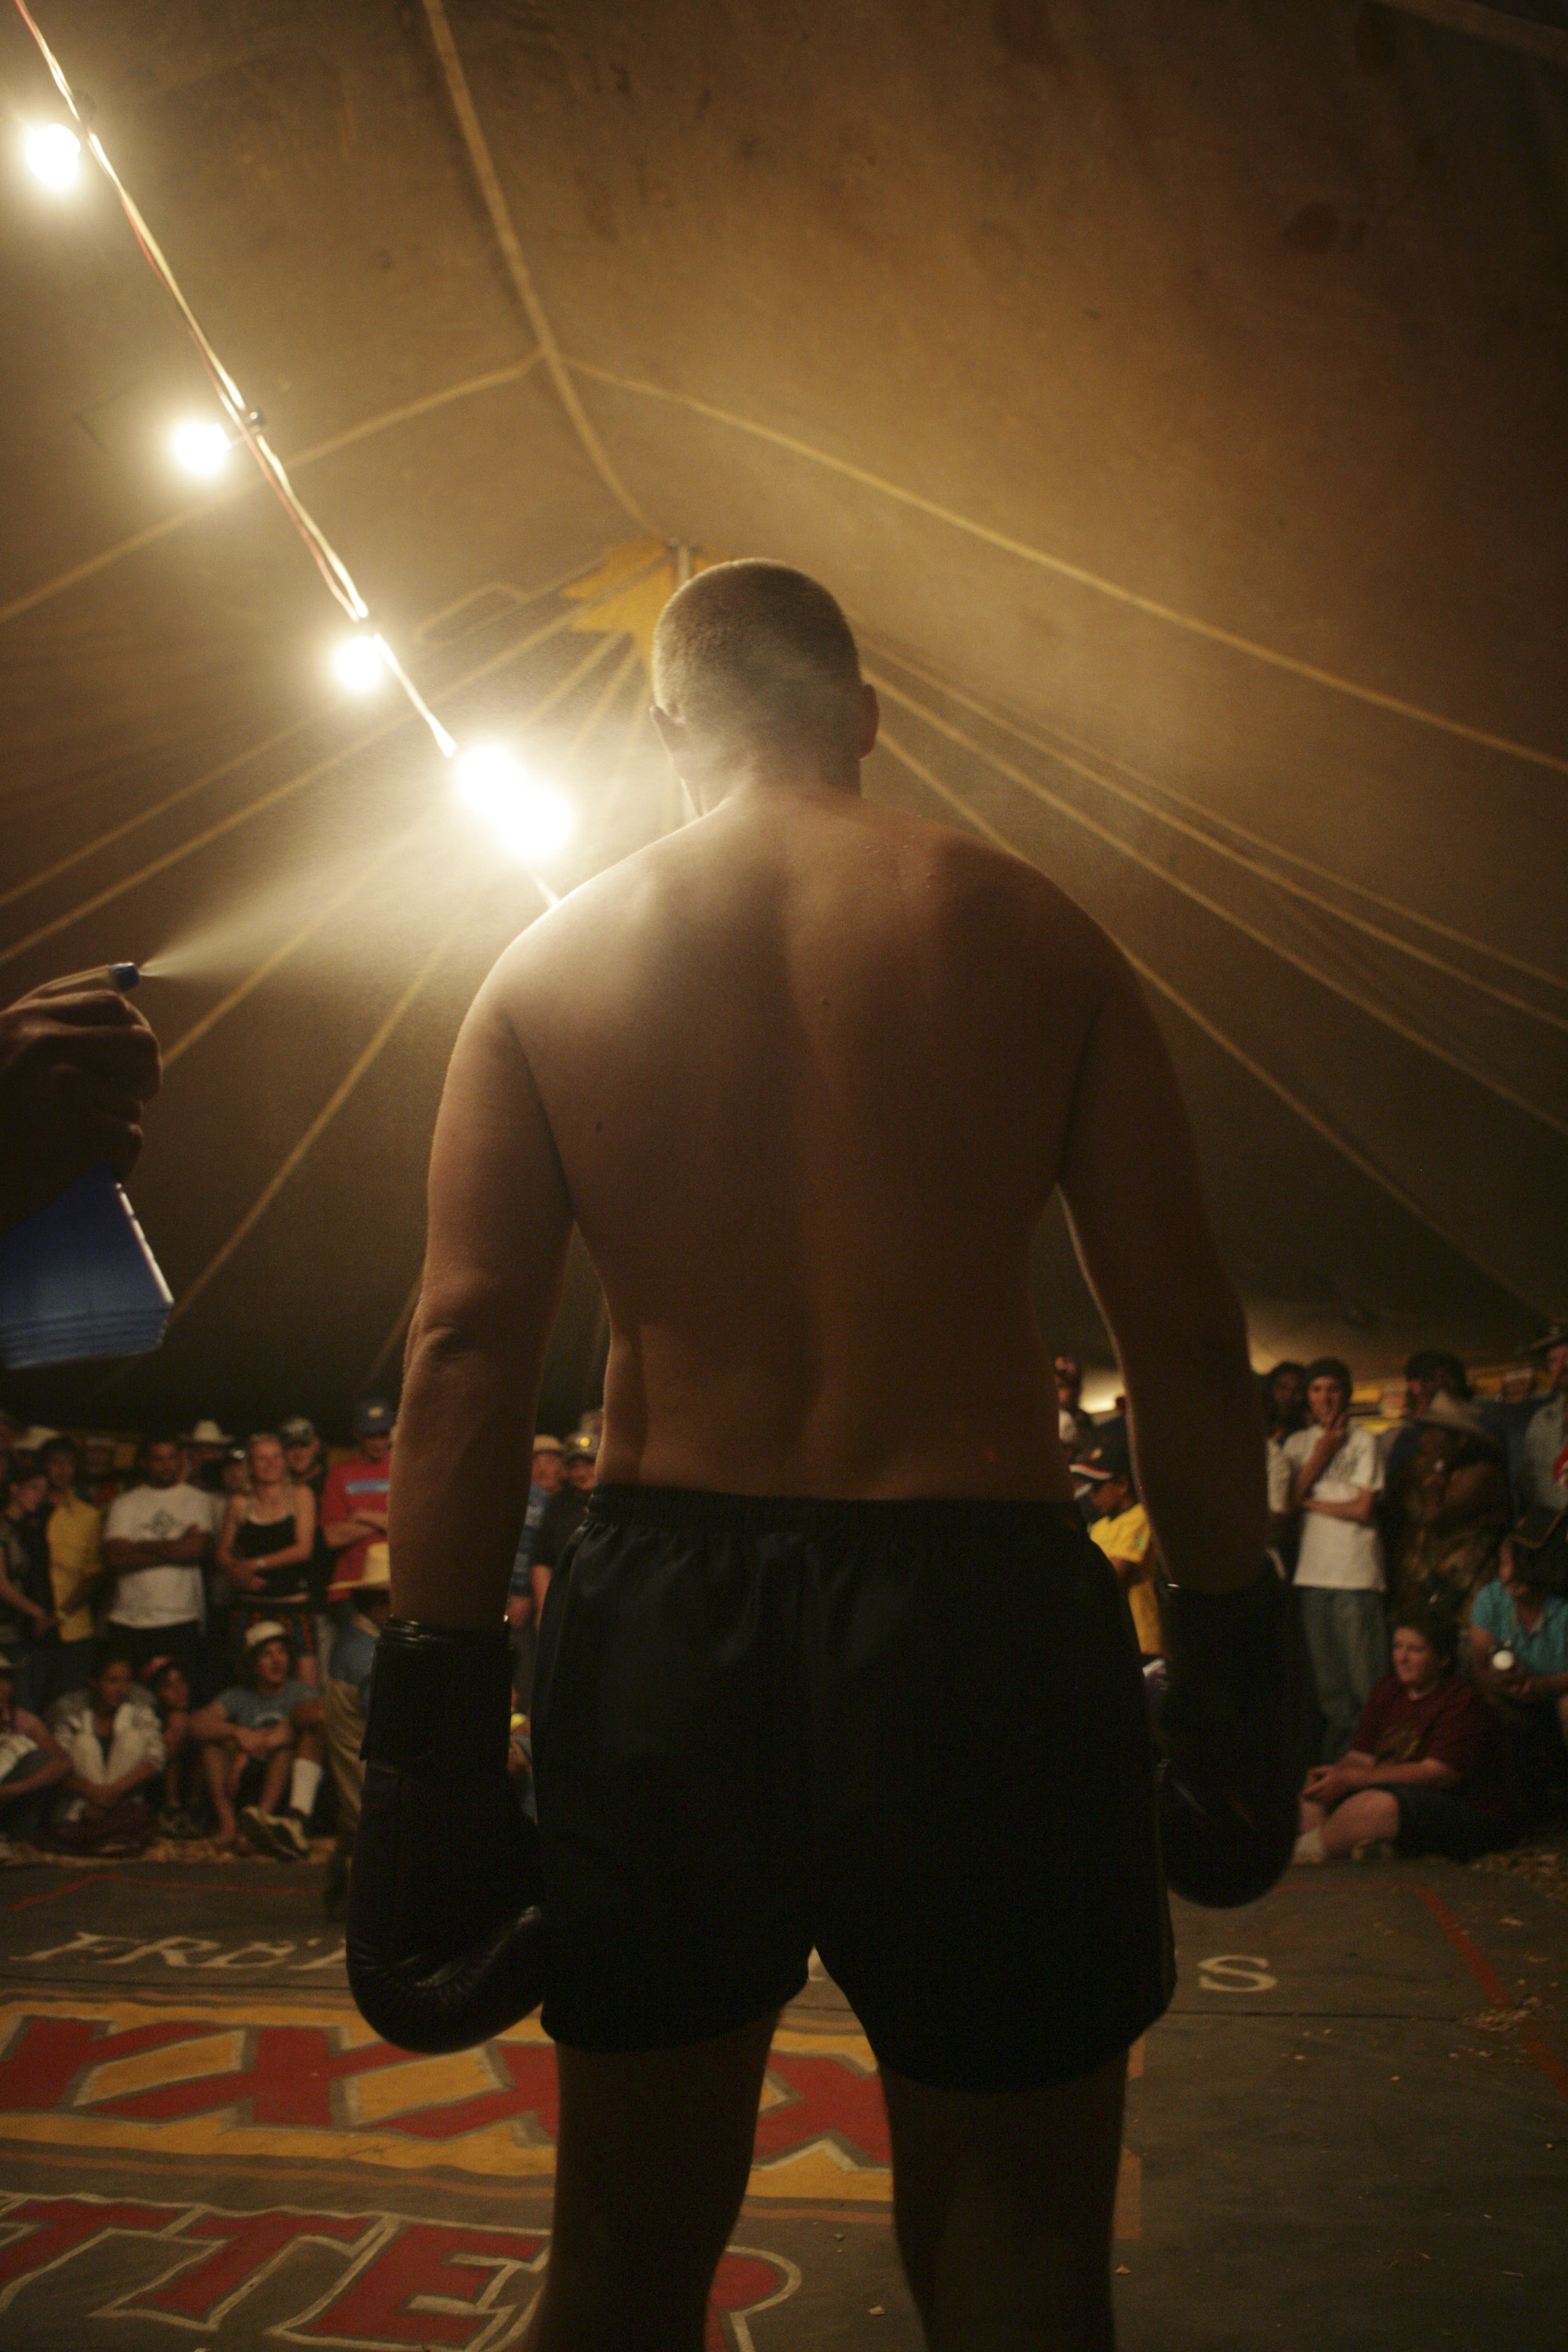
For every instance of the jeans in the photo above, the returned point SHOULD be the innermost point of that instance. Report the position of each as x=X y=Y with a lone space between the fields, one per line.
x=1347 y=1640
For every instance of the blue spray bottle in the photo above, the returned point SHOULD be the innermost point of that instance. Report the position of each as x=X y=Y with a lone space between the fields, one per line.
x=76 y=1278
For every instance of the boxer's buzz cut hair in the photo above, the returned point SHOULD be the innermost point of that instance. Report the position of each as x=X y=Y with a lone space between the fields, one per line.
x=752 y=655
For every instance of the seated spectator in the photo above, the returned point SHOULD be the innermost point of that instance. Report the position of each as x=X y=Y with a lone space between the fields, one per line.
x=1451 y=1511
x=26 y=1612
x=32 y=1763
x=181 y=1791
x=353 y=1499
x=155 y=1536
x=1519 y=1648
x=263 y=1734
x=111 y=1733
x=1122 y=1532
x=1426 y=1770
x=345 y=1699
x=71 y=1530
x=1336 y=1475
x=265 y=1549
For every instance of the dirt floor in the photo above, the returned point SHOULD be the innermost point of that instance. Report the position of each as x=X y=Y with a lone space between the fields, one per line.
x=1351 y=2130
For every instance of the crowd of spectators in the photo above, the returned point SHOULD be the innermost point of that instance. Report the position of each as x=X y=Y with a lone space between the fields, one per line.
x=186 y=1648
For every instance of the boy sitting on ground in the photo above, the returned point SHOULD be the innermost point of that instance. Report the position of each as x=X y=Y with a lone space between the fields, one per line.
x=264 y=1734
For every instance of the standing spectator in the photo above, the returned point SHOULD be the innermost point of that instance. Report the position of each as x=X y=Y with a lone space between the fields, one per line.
x=308 y=1468
x=1430 y=1373
x=155 y=1539
x=1543 y=1472
x=1453 y=1511
x=101 y=1480
x=346 y=1704
x=271 y=1720
x=1334 y=1483
x=71 y=1530
x=265 y=1548
x=1284 y=1392
x=27 y=1609
x=204 y=1449
x=32 y=1763
x=563 y=1514
x=522 y=1611
x=180 y=1791
x=111 y=1735
x=353 y=1500
x=1426 y=1770
x=1078 y=1438
x=1122 y=1532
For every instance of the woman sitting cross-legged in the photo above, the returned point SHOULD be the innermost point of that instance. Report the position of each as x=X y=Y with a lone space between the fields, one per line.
x=1427 y=1769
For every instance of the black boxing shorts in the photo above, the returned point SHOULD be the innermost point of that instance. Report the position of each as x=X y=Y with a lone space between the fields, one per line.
x=911 y=1735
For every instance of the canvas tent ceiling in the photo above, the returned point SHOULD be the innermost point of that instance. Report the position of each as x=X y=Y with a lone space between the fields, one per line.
x=1174 y=397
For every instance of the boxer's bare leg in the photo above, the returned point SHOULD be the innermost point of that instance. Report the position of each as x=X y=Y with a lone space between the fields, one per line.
x=652 y=2157
x=1003 y=2205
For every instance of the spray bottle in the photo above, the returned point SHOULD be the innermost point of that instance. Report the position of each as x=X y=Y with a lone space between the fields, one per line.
x=76 y=1278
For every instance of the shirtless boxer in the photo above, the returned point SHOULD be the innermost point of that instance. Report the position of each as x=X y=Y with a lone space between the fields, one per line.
x=832 y=1662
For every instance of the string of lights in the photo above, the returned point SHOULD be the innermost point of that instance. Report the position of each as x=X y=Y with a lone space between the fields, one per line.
x=532 y=820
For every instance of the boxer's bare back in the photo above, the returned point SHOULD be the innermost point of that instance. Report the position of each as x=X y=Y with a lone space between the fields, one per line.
x=805 y=1074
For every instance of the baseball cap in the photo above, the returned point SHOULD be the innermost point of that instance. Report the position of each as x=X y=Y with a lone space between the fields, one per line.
x=374 y=1417
x=1552 y=1337
x=296 y=1429
x=267 y=1631
x=543 y=1444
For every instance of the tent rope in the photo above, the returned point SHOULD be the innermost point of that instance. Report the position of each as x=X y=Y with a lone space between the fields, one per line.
x=311 y=774
x=518 y=270
x=1083 y=767
x=1150 y=606
x=248 y=482
x=1319 y=1126
x=1211 y=906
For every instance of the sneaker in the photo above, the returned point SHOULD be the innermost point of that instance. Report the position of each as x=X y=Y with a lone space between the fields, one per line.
x=289 y=1840
x=1310 y=1847
x=257 y=1828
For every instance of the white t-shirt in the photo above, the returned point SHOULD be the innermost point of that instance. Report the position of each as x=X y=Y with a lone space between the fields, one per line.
x=1339 y=1553
x=170 y=1595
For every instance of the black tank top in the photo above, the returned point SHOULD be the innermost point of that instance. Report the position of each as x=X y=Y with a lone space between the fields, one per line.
x=253 y=1539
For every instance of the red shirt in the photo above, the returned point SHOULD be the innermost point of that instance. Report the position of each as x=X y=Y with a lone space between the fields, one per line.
x=1449 y=1724
x=349 y=1484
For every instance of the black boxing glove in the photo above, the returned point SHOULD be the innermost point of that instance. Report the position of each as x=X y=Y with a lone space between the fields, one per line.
x=445 y=1940
x=1233 y=1730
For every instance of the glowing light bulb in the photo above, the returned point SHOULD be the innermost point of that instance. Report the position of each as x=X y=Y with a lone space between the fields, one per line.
x=201 y=446
x=359 y=664
x=531 y=820
x=54 y=153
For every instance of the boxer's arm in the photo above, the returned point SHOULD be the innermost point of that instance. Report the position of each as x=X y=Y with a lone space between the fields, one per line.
x=500 y=1221
x=1144 y=1238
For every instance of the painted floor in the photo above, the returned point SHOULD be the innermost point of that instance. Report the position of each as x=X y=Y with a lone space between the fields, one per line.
x=1352 y=2130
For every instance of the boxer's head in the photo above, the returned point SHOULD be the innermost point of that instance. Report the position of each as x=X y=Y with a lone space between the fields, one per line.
x=754 y=666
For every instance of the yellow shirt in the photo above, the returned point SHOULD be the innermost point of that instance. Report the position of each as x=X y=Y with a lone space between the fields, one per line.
x=1129 y=1537
x=73 y=1557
